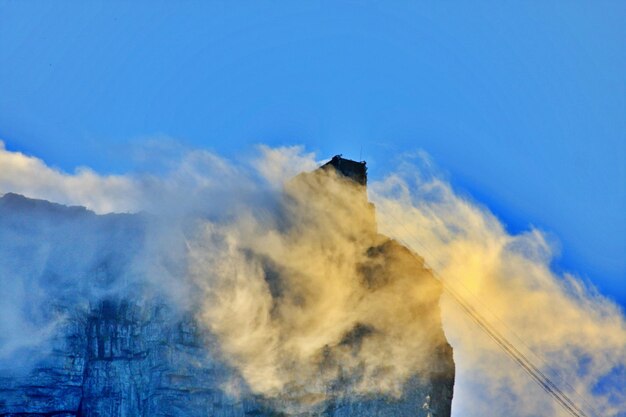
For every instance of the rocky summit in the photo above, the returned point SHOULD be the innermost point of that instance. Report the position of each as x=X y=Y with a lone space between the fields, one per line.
x=84 y=331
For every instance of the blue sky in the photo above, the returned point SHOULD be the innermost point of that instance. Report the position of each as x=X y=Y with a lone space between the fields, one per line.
x=523 y=105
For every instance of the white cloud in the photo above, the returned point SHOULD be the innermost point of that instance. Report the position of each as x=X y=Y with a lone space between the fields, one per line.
x=278 y=165
x=30 y=176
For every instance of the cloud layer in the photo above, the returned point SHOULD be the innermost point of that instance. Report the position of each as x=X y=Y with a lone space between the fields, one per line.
x=571 y=332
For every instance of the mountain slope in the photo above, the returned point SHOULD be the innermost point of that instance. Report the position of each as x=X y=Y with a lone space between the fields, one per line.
x=86 y=333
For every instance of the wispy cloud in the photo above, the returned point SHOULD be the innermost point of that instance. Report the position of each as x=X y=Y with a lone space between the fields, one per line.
x=572 y=333
x=244 y=223
x=28 y=175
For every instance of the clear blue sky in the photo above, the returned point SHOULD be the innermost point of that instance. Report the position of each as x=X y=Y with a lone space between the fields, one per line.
x=523 y=104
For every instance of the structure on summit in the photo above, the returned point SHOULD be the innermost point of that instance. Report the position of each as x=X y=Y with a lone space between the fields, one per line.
x=356 y=171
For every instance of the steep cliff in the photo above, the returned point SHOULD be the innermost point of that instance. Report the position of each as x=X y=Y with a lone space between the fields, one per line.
x=85 y=333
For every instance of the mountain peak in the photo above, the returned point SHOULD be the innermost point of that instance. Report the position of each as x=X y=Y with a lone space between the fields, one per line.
x=355 y=170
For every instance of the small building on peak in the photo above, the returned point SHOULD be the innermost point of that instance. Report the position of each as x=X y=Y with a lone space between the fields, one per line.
x=354 y=170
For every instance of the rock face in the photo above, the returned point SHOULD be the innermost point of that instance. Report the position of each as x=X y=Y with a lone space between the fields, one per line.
x=108 y=355
x=80 y=338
